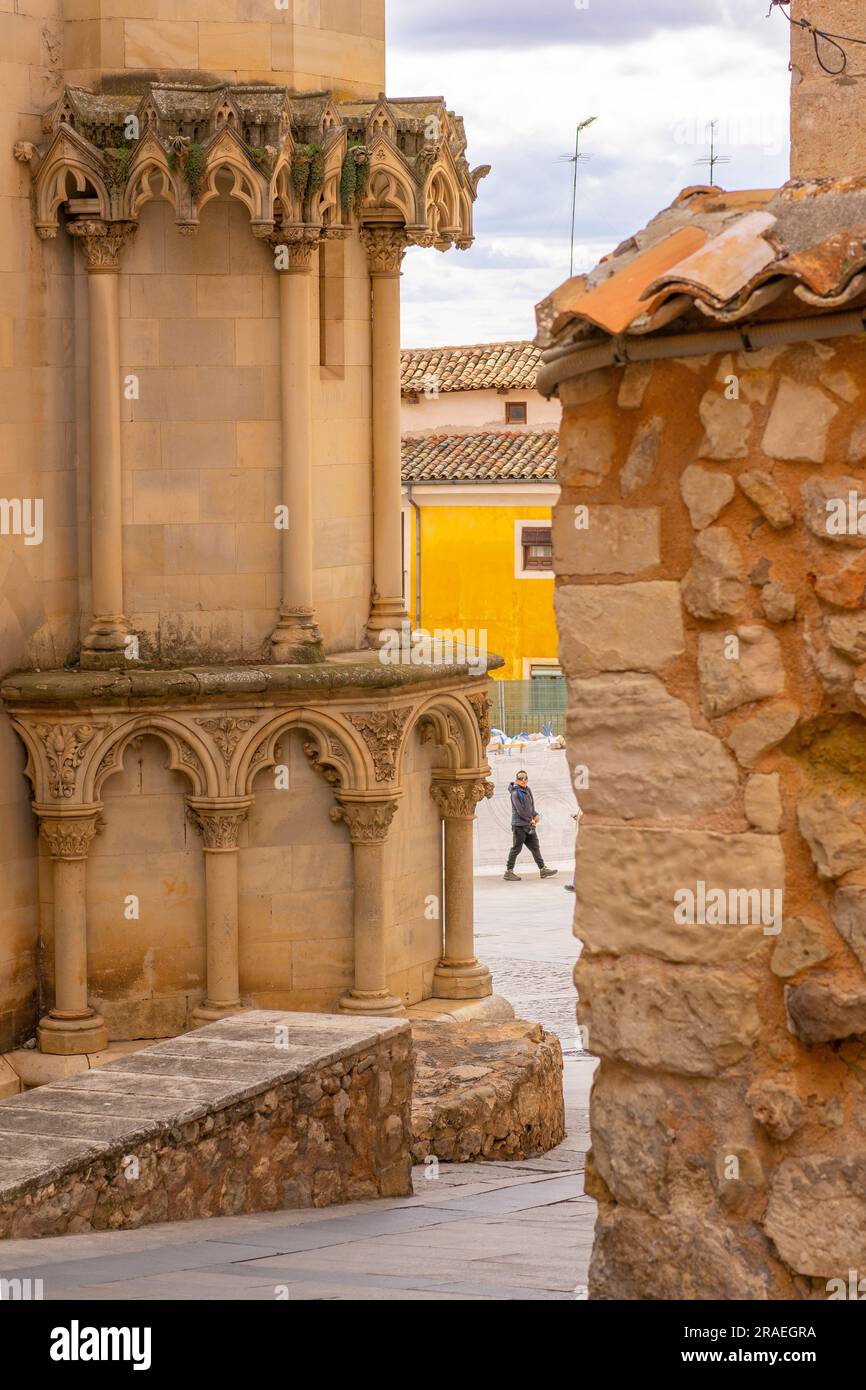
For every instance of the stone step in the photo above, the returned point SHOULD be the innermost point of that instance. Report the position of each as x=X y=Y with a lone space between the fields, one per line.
x=259 y=1112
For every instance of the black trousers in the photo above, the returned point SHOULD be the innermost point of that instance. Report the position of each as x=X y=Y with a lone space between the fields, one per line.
x=525 y=835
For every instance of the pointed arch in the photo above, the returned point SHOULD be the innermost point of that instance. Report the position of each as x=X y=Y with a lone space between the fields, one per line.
x=187 y=753
x=338 y=747
x=451 y=723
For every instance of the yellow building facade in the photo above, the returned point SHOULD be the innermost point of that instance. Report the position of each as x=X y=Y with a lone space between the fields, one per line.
x=478 y=489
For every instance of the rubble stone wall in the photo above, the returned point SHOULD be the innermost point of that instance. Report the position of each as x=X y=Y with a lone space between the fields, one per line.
x=710 y=598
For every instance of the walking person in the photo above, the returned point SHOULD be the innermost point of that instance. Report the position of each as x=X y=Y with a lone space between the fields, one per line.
x=524 y=819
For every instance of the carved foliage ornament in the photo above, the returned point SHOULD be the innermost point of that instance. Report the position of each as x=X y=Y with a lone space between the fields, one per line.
x=481 y=706
x=368 y=821
x=218 y=829
x=382 y=733
x=457 y=800
x=102 y=242
x=385 y=247
x=68 y=839
x=226 y=732
x=65 y=746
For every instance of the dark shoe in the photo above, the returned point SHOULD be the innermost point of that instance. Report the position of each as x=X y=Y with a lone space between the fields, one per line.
x=548 y=873
x=569 y=887
x=511 y=877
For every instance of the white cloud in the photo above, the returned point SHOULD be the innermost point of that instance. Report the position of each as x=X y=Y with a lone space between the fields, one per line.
x=654 y=89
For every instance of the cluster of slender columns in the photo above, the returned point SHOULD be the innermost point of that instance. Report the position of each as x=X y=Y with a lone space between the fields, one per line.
x=72 y=1026
x=296 y=637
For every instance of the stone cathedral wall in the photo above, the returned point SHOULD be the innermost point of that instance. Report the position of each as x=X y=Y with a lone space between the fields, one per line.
x=713 y=631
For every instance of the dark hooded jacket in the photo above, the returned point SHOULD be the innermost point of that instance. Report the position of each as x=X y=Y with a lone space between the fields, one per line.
x=522 y=807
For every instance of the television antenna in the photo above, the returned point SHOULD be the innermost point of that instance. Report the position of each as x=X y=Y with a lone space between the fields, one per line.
x=712 y=159
x=575 y=160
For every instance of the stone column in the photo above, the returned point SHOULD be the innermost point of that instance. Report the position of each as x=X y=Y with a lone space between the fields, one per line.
x=296 y=636
x=219 y=822
x=102 y=243
x=369 y=823
x=71 y=1027
x=459 y=974
x=385 y=247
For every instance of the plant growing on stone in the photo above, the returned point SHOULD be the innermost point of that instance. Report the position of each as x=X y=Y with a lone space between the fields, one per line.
x=193 y=168
x=117 y=164
x=308 y=171
x=353 y=178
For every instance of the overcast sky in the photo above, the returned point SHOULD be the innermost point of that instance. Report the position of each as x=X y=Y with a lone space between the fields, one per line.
x=523 y=73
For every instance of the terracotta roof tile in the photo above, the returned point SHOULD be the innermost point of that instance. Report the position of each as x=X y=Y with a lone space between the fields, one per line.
x=802 y=244
x=475 y=367
x=499 y=456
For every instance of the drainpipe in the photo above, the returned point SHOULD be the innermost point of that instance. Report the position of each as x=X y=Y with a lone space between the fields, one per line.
x=417 y=510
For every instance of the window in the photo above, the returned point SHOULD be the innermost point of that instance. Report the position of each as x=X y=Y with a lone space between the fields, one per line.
x=537 y=544
x=546 y=671
x=515 y=412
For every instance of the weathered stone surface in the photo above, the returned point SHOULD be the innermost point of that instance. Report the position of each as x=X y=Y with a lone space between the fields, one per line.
x=838 y=845
x=835 y=672
x=706 y=493
x=847 y=633
x=619 y=627
x=631 y=1139
x=324 y=1118
x=821 y=499
x=586 y=450
x=727 y=424
x=635 y=380
x=763 y=802
x=580 y=390
x=844 y=587
x=778 y=604
x=626 y=881
x=778 y=1108
x=816 y=1215
x=857 y=443
x=616 y=540
x=849 y=918
x=820 y=1010
x=715 y=585
x=639 y=467
x=694 y=1020
x=640 y=1256
x=729 y=681
x=761 y=488
x=798 y=423
x=645 y=757
x=756 y=736
x=842 y=384
x=486 y=1091
x=801 y=944
x=738 y=1176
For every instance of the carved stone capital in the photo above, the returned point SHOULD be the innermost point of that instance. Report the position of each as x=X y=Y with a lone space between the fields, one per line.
x=458 y=800
x=294 y=246
x=368 y=821
x=219 y=822
x=68 y=837
x=382 y=732
x=102 y=242
x=385 y=247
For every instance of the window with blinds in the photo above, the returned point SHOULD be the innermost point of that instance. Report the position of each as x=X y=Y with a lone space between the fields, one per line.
x=537 y=543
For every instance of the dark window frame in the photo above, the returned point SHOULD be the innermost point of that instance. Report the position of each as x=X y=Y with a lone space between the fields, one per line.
x=516 y=405
x=532 y=537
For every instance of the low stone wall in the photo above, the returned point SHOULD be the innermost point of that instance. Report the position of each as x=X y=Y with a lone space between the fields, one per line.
x=486 y=1091
x=259 y=1112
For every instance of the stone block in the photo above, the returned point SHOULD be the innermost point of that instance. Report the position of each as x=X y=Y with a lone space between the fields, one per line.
x=821 y=1010
x=761 y=488
x=642 y=458
x=758 y=735
x=706 y=493
x=801 y=945
x=614 y=540
x=586 y=450
x=816 y=1214
x=692 y=1021
x=727 y=424
x=624 y=627
x=680 y=1257
x=715 y=585
x=644 y=757
x=628 y=882
x=799 y=422
x=485 y=1091
x=735 y=674
x=838 y=845
x=763 y=802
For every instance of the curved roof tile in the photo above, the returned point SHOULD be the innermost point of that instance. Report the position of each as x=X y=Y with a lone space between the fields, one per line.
x=498 y=456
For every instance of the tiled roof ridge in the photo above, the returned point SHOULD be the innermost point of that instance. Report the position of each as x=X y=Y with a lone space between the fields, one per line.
x=489 y=456
x=714 y=259
x=510 y=364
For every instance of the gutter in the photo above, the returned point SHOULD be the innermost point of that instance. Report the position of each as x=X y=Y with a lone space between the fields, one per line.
x=414 y=505
x=562 y=363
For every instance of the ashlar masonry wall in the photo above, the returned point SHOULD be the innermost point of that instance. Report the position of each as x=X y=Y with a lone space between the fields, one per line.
x=713 y=630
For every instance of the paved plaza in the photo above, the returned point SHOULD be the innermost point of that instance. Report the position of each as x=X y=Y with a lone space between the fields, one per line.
x=472 y=1231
